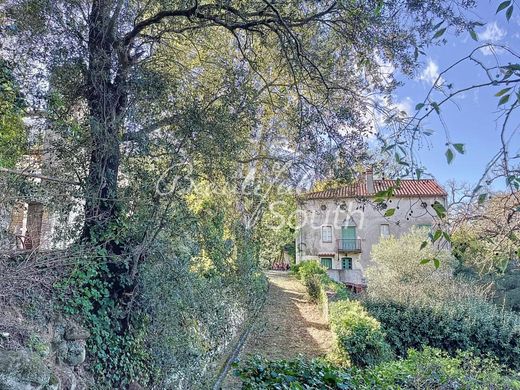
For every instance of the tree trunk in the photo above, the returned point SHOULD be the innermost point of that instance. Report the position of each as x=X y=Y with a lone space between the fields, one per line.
x=106 y=98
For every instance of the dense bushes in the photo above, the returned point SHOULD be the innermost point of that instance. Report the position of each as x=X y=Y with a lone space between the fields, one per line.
x=311 y=273
x=419 y=306
x=306 y=268
x=259 y=373
x=477 y=326
x=434 y=369
x=427 y=369
x=358 y=337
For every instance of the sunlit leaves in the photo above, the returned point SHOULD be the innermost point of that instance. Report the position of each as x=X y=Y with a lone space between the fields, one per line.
x=439 y=209
x=439 y=33
x=389 y=212
x=449 y=155
x=459 y=148
x=504 y=99
x=436 y=262
x=502 y=92
x=503 y=5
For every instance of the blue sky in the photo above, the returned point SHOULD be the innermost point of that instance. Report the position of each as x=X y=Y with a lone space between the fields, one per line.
x=472 y=118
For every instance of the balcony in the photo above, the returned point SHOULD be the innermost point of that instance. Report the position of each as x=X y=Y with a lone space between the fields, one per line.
x=349 y=245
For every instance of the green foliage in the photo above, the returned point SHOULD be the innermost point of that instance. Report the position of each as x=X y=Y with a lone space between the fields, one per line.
x=306 y=268
x=314 y=277
x=426 y=369
x=259 y=373
x=359 y=339
x=36 y=344
x=418 y=306
x=275 y=231
x=398 y=272
x=434 y=369
x=314 y=287
x=477 y=326
x=120 y=357
x=13 y=137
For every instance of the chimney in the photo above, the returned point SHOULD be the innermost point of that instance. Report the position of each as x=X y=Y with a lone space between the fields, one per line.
x=369 y=179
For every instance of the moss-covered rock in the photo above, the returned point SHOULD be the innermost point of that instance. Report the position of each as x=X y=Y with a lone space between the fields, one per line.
x=20 y=370
x=76 y=352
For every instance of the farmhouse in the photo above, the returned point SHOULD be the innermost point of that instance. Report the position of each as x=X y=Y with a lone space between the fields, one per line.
x=338 y=227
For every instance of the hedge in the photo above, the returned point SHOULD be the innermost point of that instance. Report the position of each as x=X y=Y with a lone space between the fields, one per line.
x=358 y=338
x=477 y=326
x=427 y=369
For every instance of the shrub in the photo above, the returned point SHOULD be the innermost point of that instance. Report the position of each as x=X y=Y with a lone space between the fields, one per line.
x=314 y=287
x=399 y=275
x=306 y=268
x=433 y=369
x=259 y=373
x=359 y=339
x=314 y=275
x=427 y=369
x=477 y=326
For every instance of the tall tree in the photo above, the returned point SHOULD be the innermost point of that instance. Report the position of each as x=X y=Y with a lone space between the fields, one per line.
x=328 y=53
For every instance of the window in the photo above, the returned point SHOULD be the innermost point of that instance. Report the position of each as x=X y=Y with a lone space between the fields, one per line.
x=326 y=233
x=326 y=262
x=385 y=230
x=346 y=262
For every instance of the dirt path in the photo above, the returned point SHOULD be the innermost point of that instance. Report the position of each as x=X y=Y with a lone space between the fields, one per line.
x=288 y=326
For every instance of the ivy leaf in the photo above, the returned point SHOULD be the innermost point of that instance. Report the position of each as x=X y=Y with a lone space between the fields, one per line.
x=436 y=108
x=473 y=35
x=459 y=148
x=439 y=33
x=503 y=5
x=509 y=12
x=436 y=263
x=419 y=106
x=449 y=155
x=446 y=236
x=423 y=244
x=425 y=261
x=502 y=91
x=389 y=212
x=503 y=100
x=437 y=235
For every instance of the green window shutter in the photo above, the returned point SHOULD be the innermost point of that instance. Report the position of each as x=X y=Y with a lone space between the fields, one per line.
x=326 y=262
x=346 y=262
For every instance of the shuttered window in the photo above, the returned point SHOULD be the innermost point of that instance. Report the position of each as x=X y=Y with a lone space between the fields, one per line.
x=326 y=262
x=346 y=262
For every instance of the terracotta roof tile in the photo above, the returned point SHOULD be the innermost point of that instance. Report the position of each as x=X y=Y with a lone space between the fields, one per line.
x=407 y=188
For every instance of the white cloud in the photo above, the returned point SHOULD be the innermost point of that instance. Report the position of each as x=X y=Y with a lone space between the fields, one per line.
x=431 y=73
x=492 y=34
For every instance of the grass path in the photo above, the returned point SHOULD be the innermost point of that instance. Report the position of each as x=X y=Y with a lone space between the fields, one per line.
x=288 y=325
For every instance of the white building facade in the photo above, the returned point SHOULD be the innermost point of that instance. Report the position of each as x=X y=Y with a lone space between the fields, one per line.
x=338 y=227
